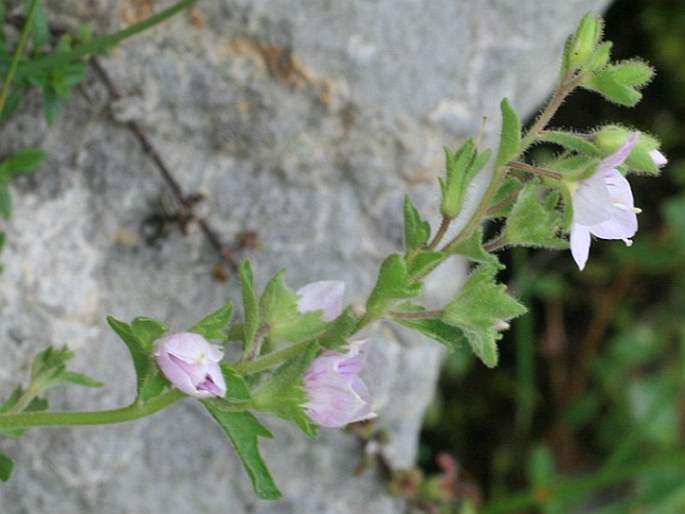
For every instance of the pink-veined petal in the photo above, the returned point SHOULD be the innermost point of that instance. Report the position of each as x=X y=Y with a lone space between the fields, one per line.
x=591 y=201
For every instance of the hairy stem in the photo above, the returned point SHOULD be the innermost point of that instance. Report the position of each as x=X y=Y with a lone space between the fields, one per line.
x=271 y=359
x=104 y=417
x=535 y=170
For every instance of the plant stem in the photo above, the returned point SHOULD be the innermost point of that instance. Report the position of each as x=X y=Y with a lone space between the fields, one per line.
x=416 y=314
x=104 y=417
x=535 y=170
x=103 y=43
x=17 y=54
x=271 y=359
x=567 y=84
x=444 y=225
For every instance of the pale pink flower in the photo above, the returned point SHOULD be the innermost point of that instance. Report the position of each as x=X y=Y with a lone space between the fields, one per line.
x=336 y=395
x=603 y=205
x=325 y=295
x=191 y=363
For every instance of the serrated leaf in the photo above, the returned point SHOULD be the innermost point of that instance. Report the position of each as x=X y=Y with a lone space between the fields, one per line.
x=535 y=220
x=215 y=326
x=6 y=467
x=510 y=139
x=571 y=141
x=148 y=330
x=284 y=394
x=278 y=308
x=416 y=230
x=250 y=304
x=244 y=431
x=473 y=249
x=452 y=337
x=237 y=389
x=478 y=307
x=25 y=160
x=393 y=283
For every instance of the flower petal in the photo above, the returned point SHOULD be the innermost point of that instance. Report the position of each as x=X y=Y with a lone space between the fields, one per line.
x=658 y=158
x=580 y=244
x=324 y=295
x=617 y=158
x=591 y=201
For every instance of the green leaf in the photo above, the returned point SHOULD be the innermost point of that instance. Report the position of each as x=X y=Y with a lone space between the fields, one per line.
x=393 y=283
x=250 y=304
x=40 y=29
x=215 y=326
x=244 y=431
x=237 y=389
x=452 y=337
x=421 y=263
x=25 y=160
x=473 y=249
x=504 y=199
x=148 y=330
x=284 y=394
x=5 y=203
x=278 y=307
x=535 y=219
x=52 y=104
x=571 y=141
x=541 y=466
x=14 y=101
x=510 y=139
x=618 y=83
x=139 y=338
x=79 y=379
x=6 y=467
x=478 y=307
x=338 y=331
x=416 y=230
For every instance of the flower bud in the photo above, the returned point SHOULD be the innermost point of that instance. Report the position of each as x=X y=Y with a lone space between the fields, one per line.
x=191 y=364
x=337 y=396
x=583 y=43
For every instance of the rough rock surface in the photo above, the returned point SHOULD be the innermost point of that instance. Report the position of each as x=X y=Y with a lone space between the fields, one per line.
x=304 y=121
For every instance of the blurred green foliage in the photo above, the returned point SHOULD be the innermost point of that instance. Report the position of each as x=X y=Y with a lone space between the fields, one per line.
x=586 y=412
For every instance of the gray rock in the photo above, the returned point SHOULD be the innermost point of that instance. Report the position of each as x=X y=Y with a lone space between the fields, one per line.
x=305 y=121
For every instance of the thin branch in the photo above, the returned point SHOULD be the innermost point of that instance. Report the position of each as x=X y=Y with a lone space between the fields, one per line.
x=227 y=253
x=535 y=170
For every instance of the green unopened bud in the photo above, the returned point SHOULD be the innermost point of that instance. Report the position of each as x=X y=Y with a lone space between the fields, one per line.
x=645 y=155
x=582 y=45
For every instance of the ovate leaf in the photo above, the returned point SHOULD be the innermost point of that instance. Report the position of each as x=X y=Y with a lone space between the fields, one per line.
x=244 y=431
x=535 y=219
x=393 y=283
x=478 y=308
x=416 y=230
x=215 y=326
